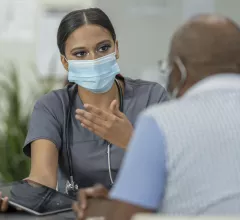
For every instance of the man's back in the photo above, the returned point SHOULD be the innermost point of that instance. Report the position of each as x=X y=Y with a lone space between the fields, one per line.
x=202 y=136
x=184 y=156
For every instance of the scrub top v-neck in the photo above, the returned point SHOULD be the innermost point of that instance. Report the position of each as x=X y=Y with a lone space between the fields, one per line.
x=89 y=152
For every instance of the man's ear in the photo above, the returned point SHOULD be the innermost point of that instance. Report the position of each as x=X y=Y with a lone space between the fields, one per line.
x=64 y=62
x=117 y=50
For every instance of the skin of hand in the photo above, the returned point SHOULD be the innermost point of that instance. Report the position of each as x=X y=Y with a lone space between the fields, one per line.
x=3 y=203
x=117 y=210
x=111 y=125
x=98 y=191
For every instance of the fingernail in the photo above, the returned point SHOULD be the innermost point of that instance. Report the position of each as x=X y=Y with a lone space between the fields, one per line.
x=85 y=105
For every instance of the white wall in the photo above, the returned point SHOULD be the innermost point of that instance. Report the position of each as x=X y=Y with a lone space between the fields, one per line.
x=143 y=28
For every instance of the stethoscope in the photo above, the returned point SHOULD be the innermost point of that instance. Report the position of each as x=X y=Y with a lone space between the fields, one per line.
x=71 y=186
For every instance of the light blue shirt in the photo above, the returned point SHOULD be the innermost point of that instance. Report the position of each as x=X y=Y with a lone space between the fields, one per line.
x=141 y=180
x=199 y=133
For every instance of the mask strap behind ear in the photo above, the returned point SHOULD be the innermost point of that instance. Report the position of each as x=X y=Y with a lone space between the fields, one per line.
x=183 y=73
x=182 y=70
x=65 y=58
x=115 y=51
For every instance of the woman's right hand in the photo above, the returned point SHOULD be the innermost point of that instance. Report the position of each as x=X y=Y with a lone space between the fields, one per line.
x=3 y=203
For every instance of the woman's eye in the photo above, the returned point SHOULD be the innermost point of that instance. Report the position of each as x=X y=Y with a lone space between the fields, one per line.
x=80 y=54
x=104 y=48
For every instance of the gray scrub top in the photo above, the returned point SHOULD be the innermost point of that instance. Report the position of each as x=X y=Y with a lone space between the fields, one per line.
x=89 y=152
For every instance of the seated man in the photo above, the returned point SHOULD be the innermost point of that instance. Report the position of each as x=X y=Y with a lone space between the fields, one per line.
x=184 y=157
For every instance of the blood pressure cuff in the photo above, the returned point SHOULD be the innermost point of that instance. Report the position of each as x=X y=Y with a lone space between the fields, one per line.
x=39 y=198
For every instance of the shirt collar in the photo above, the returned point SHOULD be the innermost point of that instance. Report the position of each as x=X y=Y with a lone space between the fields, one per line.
x=223 y=81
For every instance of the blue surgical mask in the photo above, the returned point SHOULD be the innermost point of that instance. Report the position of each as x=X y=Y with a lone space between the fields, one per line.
x=97 y=75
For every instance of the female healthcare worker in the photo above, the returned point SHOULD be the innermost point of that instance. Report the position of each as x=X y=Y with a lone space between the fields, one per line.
x=83 y=129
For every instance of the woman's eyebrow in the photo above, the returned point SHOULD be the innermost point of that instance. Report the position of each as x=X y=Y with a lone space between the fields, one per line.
x=104 y=41
x=82 y=48
x=77 y=48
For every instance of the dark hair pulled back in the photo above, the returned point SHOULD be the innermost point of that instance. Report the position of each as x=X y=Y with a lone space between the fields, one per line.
x=78 y=18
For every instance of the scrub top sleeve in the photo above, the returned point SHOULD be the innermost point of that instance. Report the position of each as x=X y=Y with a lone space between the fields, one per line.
x=164 y=96
x=43 y=124
x=158 y=94
x=142 y=177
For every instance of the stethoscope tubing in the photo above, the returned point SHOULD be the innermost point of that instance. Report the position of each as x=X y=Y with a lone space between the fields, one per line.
x=71 y=185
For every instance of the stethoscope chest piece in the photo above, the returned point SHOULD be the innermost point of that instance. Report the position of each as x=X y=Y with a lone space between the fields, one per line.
x=71 y=188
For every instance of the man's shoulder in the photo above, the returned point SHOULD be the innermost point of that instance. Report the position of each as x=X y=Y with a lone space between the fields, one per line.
x=172 y=109
x=161 y=107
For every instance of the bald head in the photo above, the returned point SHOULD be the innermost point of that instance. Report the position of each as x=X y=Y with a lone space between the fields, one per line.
x=208 y=39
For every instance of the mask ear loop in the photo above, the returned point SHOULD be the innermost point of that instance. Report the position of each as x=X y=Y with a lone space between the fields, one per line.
x=183 y=73
x=115 y=51
x=65 y=58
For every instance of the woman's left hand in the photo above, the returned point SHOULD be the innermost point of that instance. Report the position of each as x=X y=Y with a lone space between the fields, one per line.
x=111 y=125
